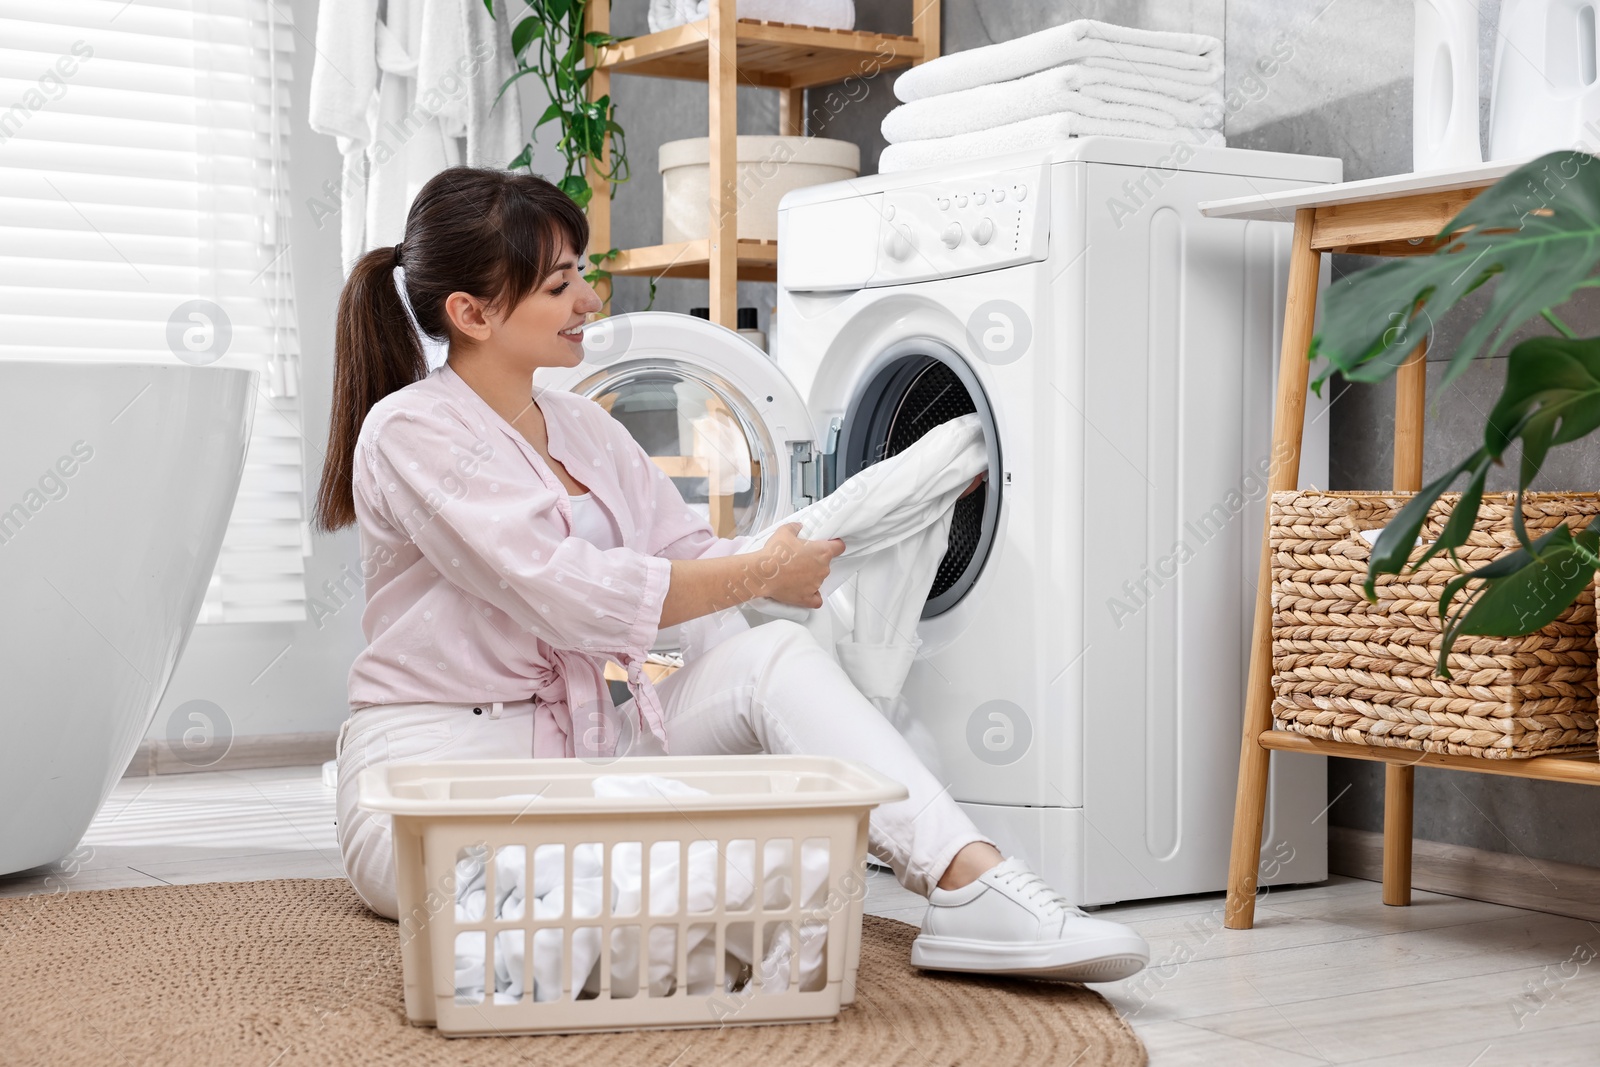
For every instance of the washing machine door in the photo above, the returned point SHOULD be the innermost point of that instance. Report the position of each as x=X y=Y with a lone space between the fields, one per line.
x=712 y=410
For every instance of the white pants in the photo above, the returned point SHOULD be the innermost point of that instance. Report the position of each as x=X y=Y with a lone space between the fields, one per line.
x=769 y=689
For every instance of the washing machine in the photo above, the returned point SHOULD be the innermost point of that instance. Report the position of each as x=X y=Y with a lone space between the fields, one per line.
x=1080 y=680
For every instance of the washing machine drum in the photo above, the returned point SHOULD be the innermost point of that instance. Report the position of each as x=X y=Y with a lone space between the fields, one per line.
x=908 y=397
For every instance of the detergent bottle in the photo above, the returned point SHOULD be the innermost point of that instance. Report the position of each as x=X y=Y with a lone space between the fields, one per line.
x=1444 y=86
x=1545 y=94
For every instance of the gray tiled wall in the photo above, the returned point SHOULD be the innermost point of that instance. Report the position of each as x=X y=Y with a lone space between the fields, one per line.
x=1344 y=90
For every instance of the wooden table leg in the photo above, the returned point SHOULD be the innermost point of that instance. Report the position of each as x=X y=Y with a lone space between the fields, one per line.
x=1288 y=424
x=1399 y=781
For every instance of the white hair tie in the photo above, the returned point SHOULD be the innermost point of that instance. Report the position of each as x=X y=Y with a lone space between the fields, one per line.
x=434 y=351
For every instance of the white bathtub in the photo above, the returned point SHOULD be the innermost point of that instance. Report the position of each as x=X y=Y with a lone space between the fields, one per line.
x=116 y=483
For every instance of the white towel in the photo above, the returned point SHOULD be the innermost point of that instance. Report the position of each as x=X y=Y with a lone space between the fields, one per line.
x=1081 y=39
x=410 y=144
x=830 y=14
x=494 y=127
x=1208 y=76
x=627 y=878
x=1030 y=134
x=1088 y=91
x=344 y=79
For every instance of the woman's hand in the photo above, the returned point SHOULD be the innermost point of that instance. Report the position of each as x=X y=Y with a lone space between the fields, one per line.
x=792 y=569
x=972 y=485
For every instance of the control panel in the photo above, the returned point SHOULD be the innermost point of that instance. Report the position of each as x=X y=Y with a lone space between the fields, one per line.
x=961 y=226
x=937 y=229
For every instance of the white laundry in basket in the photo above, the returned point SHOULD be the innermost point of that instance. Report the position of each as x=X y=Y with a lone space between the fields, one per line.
x=549 y=902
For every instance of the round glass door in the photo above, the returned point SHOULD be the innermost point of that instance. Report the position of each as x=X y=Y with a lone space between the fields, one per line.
x=702 y=432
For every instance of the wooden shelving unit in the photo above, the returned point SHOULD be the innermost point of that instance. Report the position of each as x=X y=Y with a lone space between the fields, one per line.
x=1399 y=215
x=722 y=51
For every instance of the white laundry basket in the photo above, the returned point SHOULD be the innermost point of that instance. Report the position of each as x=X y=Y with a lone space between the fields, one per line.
x=469 y=810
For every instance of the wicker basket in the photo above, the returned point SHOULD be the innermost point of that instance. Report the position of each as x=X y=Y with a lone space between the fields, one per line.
x=1347 y=670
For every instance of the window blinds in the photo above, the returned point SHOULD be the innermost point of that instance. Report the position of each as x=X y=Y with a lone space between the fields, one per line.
x=143 y=217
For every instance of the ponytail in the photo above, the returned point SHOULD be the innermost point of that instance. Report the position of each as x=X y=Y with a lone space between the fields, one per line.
x=376 y=352
x=490 y=233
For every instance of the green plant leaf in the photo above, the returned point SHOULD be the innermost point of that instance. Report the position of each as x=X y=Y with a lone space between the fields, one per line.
x=1535 y=232
x=526 y=31
x=577 y=187
x=556 y=10
x=523 y=72
x=1551 y=397
x=1398 y=539
x=488 y=5
x=1522 y=591
x=552 y=112
x=524 y=158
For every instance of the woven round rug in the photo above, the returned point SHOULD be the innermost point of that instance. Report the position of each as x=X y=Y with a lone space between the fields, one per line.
x=297 y=971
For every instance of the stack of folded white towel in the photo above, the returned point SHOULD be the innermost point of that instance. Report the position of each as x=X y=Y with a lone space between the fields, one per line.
x=1076 y=79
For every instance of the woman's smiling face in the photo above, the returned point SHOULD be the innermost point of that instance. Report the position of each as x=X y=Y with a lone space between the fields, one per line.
x=545 y=329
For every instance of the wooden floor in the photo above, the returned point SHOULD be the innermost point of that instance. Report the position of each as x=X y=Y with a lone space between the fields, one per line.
x=1328 y=975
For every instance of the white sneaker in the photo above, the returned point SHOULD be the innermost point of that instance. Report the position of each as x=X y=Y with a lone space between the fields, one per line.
x=1011 y=922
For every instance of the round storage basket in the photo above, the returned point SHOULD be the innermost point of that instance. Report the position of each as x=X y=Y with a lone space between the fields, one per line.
x=1348 y=670
x=769 y=166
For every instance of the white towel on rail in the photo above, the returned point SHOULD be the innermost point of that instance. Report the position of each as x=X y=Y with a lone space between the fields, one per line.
x=829 y=14
x=1030 y=134
x=1088 y=91
x=494 y=123
x=1174 y=54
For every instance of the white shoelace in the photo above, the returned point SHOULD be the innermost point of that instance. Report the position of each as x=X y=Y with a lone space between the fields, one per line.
x=1038 y=892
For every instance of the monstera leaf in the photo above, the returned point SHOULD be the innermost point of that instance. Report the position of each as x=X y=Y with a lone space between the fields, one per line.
x=1534 y=235
x=1551 y=397
x=1521 y=591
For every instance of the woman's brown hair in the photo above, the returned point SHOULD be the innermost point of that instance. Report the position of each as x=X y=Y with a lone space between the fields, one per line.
x=490 y=233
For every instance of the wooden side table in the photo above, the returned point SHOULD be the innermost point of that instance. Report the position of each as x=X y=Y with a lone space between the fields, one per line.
x=1391 y=216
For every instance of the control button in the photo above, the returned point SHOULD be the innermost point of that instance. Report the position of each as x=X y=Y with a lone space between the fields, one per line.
x=961 y=201
x=979 y=199
x=944 y=203
x=898 y=243
x=1020 y=192
x=888 y=212
x=999 y=195
x=983 y=231
x=951 y=235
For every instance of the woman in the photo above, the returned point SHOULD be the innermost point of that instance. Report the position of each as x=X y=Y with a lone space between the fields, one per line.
x=511 y=543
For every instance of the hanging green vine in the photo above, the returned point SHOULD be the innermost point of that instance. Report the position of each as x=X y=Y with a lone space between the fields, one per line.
x=549 y=44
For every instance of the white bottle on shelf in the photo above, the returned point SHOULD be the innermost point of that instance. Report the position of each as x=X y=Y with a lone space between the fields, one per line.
x=1444 y=86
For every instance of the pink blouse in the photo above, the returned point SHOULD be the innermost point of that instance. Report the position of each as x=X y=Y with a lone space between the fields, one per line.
x=476 y=587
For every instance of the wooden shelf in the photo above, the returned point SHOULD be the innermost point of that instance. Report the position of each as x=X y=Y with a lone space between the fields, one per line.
x=725 y=51
x=758 y=260
x=775 y=55
x=1377 y=216
x=1580 y=767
